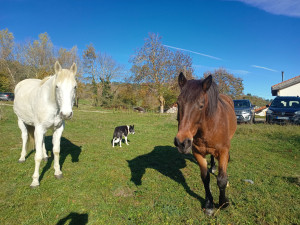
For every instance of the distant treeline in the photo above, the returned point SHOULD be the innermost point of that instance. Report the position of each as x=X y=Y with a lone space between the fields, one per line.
x=151 y=82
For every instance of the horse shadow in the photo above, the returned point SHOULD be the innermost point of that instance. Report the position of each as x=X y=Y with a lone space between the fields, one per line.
x=166 y=160
x=66 y=148
x=74 y=219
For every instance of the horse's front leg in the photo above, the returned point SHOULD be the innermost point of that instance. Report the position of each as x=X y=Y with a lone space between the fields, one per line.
x=222 y=179
x=56 y=150
x=38 y=137
x=209 y=205
x=45 y=156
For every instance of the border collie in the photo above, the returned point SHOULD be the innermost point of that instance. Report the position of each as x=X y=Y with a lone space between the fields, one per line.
x=122 y=131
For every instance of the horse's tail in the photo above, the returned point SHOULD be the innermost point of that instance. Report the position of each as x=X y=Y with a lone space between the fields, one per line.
x=30 y=140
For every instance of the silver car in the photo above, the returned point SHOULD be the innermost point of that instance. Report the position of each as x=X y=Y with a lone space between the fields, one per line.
x=244 y=111
x=6 y=96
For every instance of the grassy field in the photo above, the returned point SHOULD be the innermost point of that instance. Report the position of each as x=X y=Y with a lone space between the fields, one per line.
x=147 y=182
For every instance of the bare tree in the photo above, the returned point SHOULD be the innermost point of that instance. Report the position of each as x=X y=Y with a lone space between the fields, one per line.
x=156 y=64
x=228 y=84
x=101 y=69
x=8 y=67
x=89 y=68
x=39 y=56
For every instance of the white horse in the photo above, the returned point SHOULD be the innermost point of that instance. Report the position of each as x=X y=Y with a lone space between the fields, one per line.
x=44 y=104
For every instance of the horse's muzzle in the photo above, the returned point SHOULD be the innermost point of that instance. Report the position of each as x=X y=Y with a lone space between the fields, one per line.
x=66 y=116
x=183 y=147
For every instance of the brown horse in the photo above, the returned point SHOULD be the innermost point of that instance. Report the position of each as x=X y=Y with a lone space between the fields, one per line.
x=206 y=124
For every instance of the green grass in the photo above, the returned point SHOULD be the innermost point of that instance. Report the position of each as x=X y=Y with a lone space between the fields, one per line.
x=147 y=182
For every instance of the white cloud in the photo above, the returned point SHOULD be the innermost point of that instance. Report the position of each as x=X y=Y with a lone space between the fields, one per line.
x=239 y=72
x=211 y=69
x=198 y=53
x=278 y=7
x=265 y=68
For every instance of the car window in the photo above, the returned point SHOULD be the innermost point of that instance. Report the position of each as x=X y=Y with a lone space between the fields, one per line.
x=241 y=104
x=286 y=103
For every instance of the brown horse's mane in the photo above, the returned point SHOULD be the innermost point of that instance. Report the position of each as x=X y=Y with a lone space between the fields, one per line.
x=191 y=92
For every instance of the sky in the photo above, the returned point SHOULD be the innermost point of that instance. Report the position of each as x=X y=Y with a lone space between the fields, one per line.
x=252 y=39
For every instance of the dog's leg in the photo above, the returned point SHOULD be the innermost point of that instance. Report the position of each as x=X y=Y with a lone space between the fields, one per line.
x=126 y=141
x=113 y=142
x=120 y=139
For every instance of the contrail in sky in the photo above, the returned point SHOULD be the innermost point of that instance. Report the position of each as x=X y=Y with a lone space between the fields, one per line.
x=265 y=68
x=198 y=53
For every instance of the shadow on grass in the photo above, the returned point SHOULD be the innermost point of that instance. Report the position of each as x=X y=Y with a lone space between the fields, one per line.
x=292 y=180
x=66 y=148
x=166 y=160
x=74 y=219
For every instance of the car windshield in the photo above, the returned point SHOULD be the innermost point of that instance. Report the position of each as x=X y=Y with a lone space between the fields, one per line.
x=241 y=104
x=286 y=103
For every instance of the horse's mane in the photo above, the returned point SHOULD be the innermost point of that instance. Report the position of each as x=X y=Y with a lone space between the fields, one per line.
x=191 y=92
x=45 y=79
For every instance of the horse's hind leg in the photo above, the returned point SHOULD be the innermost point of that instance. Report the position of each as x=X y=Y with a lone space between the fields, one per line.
x=222 y=179
x=209 y=205
x=56 y=150
x=24 y=131
x=212 y=164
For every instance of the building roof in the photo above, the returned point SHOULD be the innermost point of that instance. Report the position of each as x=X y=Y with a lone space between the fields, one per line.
x=286 y=83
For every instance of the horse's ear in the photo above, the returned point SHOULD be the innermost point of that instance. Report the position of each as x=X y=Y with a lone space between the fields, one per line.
x=57 y=67
x=207 y=83
x=74 y=68
x=181 y=80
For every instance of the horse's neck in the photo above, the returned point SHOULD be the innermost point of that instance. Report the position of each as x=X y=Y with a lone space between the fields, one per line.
x=49 y=90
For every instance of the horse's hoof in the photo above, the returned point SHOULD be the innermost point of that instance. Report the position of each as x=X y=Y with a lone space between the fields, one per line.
x=209 y=212
x=32 y=186
x=224 y=204
x=60 y=176
x=21 y=161
x=46 y=159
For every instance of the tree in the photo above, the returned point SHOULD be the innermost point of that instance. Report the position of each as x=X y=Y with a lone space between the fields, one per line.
x=108 y=69
x=89 y=65
x=39 y=56
x=8 y=74
x=228 y=84
x=102 y=68
x=155 y=64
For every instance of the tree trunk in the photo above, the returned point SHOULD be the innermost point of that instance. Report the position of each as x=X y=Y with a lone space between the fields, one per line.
x=162 y=103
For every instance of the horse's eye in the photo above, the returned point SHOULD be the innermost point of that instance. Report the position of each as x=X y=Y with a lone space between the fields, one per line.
x=56 y=86
x=201 y=106
x=75 y=87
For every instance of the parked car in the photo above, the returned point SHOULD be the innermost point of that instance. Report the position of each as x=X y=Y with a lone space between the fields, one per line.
x=244 y=111
x=6 y=96
x=284 y=110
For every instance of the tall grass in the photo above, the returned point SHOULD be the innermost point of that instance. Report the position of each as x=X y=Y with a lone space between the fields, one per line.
x=147 y=182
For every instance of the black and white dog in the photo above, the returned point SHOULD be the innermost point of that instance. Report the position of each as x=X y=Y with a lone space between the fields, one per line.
x=120 y=132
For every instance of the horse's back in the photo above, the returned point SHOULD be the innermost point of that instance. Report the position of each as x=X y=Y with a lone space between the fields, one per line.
x=230 y=114
x=25 y=91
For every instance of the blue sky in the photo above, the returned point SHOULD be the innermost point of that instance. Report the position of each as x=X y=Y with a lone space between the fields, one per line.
x=253 y=39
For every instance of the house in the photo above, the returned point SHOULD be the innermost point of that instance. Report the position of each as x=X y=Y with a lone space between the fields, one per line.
x=261 y=111
x=289 y=87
